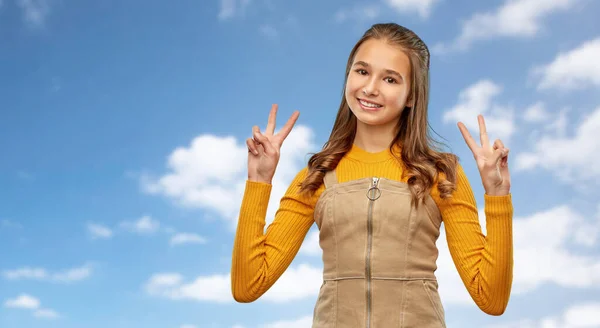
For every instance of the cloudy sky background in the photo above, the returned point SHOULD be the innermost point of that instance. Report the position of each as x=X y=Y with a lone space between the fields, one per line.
x=122 y=128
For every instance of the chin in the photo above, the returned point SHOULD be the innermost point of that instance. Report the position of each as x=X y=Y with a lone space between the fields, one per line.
x=368 y=118
x=372 y=118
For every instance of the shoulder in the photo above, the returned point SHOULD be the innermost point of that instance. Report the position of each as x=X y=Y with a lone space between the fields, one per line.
x=448 y=167
x=453 y=179
x=300 y=197
x=301 y=174
x=298 y=178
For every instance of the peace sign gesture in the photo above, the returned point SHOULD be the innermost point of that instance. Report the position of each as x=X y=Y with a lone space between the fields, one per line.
x=492 y=161
x=264 y=149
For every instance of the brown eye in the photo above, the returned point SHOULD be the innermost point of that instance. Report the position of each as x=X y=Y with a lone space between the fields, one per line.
x=390 y=80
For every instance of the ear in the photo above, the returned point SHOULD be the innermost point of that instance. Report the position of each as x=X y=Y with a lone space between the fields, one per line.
x=411 y=98
x=410 y=103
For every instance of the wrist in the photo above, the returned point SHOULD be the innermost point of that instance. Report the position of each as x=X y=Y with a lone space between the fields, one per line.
x=497 y=193
x=259 y=179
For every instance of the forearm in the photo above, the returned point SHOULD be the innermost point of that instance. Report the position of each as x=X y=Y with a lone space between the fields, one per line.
x=484 y=262
x=260 y=258
x=496 y=265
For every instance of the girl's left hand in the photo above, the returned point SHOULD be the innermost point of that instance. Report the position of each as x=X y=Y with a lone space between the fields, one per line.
x=492 y=161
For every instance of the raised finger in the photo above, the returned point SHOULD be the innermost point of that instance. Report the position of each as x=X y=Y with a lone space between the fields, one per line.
x=264 y=142
x=287 y=128
x=498 y=155
x=483 y=136
x=257 y=145
x=272 y=120
x=504 y=161
x=498 y=144
x=251 y=146
x=467 y=136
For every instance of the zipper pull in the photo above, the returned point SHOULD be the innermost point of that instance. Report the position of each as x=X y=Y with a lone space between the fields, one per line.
x=375 y=182
x=374 y=192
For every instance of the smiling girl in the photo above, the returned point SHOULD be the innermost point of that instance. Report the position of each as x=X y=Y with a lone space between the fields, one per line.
x=378 y=192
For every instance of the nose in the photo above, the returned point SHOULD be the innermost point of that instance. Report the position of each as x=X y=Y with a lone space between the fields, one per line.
x=370 y=88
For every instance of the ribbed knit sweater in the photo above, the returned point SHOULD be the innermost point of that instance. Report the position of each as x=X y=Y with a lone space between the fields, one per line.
x=484 y=262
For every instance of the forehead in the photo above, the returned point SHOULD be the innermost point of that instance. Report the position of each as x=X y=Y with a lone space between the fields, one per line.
x=382 y=55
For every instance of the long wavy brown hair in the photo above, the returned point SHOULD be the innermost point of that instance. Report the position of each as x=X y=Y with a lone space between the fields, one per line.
x=420 y=155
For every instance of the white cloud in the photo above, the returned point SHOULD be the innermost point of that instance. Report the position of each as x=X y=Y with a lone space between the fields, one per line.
x=65 y=276
x=568 y=157
x=296 y=283
x=35 y=12
x=75 y=274
x=575 y=69
x=211 y=173
x=231 y=8
x=360 y=12
x=513 y=19
x=46 y=313
x=26 y=273
x=421 y=7
x=28 y=302
x=479 y=99
x=536 y=113
x=542 y=254
x=584 y=315
x=187 y=238
x=144 y=226
x=98 y=231
x=162 y=280
x=302 y=322
x=215 y=288
x=188 y=326
x=311 y=246
x=558 y=126
x=543 y=242
x=368 y=12
x=23 y=301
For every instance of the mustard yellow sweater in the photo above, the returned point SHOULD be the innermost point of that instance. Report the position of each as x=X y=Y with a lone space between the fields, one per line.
x=484 y=263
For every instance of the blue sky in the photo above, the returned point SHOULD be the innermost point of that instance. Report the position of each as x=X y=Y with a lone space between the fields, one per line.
x=122 y=128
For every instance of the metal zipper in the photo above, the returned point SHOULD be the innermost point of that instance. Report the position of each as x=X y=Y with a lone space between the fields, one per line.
x=373 y=194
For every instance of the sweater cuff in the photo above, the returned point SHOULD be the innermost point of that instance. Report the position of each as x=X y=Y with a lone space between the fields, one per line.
x=498 y=207
x=257 y=195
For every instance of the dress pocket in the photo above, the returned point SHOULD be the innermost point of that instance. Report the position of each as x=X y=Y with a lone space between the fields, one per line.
x=323 y=311
x=430 y=288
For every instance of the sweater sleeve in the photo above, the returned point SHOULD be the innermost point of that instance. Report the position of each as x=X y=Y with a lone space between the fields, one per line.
x=260 y=258
x=484 y=263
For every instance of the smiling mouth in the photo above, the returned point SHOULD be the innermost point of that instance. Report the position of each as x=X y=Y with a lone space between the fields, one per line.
x=369 y=104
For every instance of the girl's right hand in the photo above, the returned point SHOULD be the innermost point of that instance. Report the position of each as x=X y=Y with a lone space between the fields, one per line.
x=264 y=149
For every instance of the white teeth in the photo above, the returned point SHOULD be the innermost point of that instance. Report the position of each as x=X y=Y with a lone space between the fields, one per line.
x=368 y=104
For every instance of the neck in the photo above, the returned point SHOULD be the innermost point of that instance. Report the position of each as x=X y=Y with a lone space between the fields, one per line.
x=374 y=138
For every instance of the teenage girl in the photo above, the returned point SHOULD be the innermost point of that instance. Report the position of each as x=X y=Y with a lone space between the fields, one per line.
x=378 y=192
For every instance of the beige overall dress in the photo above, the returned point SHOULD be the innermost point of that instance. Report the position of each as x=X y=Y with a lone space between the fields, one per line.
x=379 y=257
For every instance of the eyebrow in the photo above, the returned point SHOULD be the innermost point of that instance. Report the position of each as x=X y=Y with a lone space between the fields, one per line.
x=389 y=71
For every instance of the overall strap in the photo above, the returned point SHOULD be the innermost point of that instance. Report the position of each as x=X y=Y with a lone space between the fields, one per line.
x=330 y=179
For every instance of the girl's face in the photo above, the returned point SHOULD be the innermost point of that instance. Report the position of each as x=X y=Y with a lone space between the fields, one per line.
x=378 y=84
